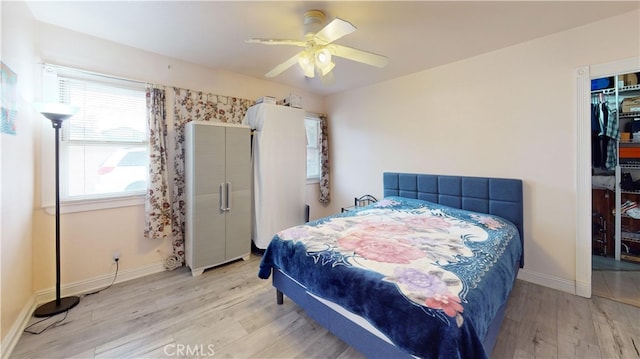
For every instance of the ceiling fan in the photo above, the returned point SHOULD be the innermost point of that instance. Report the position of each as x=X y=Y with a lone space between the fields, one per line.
x=319 y=47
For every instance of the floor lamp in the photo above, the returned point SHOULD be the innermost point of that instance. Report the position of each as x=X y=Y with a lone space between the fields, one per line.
x=57 y=113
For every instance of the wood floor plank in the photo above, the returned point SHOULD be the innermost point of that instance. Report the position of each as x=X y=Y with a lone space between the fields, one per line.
x=626 y=285
x=263 y=337
x=231 y=311
x=537 y=334
x=505 y=346
x=576 y=333
x=621 y=286
x=325 y=346
x=616 y=336
x=134 y=348
x=516 y=301
x=295 y=343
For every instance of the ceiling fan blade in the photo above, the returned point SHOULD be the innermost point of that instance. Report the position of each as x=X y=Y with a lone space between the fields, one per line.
x=276 y=42
x=334 y=30
x=283 y=66
x=365 y=57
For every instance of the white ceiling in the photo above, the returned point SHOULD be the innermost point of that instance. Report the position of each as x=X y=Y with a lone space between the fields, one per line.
x=415 y=35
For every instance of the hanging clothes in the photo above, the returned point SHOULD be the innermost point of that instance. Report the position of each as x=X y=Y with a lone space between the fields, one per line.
x=605 y=134
x=611 y=131
x=598 y=155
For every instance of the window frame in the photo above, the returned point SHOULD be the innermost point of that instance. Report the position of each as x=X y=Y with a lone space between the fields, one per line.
x=50 y=94
x=316 y=118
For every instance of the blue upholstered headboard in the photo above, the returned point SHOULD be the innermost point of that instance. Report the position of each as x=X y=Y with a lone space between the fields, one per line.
x=498 y=196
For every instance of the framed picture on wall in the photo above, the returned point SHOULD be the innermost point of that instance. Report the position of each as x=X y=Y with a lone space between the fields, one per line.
x=9 y=79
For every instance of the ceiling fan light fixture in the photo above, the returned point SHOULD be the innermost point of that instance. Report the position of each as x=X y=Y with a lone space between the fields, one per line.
x=306 y=62
x=323 y=61
x=325 y=69
x=323 y=57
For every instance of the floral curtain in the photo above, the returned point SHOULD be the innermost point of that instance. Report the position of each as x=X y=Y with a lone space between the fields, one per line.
x=325 y=196
x=196 y=106
x=158 y=203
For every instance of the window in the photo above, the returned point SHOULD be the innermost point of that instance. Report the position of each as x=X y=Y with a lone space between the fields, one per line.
x=312 y=124
x=104 y=147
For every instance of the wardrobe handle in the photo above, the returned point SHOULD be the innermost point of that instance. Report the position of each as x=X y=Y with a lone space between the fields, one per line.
x=228 y=196
x=223 y=200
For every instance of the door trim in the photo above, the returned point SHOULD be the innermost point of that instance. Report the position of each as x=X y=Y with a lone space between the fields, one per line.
x=583 y=163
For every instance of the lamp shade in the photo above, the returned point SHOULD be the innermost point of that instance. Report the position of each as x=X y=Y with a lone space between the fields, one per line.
x=56 y=111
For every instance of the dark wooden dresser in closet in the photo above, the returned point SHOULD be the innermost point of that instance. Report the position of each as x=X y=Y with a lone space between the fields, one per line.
x=603 y=203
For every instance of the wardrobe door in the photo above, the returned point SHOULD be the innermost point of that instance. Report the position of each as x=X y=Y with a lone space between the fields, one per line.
x=238 y=174
x=207 y=176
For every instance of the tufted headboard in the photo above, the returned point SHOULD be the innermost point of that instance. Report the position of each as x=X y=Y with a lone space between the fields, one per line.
x=498 y=196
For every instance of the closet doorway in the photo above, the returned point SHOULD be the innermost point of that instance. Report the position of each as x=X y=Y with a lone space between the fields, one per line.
x=615 y=186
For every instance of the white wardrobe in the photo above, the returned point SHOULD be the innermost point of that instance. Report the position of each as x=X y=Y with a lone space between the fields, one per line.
x=218 y=194
x=279 y=161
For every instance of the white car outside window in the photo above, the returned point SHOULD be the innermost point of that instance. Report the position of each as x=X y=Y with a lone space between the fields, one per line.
x=124 y=171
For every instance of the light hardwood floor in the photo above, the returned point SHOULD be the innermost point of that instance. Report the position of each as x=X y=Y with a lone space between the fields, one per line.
x=616 y=280
x=621 y=286
x=229 y=313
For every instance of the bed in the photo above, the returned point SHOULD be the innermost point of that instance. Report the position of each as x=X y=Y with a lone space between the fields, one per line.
x=425 y=272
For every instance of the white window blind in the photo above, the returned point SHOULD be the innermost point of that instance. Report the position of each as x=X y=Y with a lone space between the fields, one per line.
x=104 y=147
x=106 y=113
x=312 y=125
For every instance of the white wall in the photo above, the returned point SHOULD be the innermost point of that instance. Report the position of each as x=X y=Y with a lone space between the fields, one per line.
x=508 y=113
x=89 y=238
x=17 y=170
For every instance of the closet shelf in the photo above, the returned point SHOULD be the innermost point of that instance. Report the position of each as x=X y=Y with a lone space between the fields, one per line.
x=621 y=89
x=631 y=237
x=630 y=166
x=628 y=114
x=629 y=142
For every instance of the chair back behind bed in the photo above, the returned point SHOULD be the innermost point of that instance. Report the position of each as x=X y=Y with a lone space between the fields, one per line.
x=498 y=196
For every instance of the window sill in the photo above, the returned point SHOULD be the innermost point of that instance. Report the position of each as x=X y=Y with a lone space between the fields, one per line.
x=96 y=204
x=313 y=180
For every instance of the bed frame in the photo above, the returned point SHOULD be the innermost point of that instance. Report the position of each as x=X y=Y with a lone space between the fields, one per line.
x=498 y=196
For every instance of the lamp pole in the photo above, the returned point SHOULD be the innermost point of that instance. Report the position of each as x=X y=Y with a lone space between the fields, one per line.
x=59 y=305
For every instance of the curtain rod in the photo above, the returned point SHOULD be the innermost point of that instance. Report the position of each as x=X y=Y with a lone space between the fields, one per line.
x=92 y=73
x=130 y=80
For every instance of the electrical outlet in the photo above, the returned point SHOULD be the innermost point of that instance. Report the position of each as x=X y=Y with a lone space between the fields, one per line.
x=116 y=256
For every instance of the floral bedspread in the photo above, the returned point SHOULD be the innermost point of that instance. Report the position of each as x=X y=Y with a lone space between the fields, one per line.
x=429 y=277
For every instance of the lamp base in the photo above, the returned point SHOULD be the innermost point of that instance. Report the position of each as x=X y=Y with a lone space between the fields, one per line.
x=52 y=308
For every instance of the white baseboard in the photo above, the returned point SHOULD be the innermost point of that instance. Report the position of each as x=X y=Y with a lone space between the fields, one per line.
x=11 y=339
x=549 y=281
x=96 y=283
